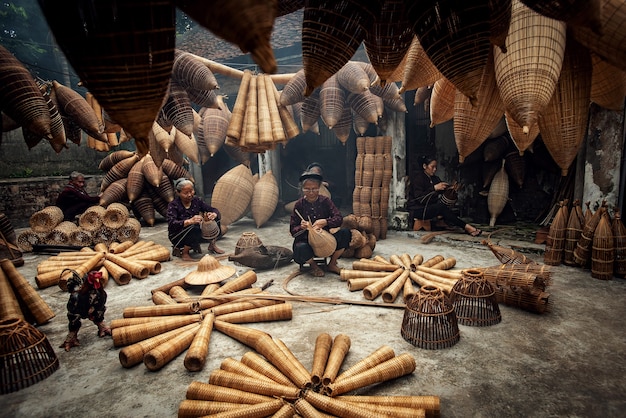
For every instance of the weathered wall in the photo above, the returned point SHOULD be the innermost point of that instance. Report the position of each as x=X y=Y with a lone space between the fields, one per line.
x=20 y=198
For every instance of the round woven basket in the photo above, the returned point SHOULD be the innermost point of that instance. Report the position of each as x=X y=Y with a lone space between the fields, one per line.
x=210 y=230
x=129 y=231
x=430 y=320
x=46 y=219
x=91 y=219
x=247 y=240
x=26 y=355
x=474 y=300
x=323 y=242
x=115 y=215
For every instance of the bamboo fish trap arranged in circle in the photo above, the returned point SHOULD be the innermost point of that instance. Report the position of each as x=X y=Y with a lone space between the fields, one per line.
x=26 y=355
x=430 y=321
x=46 y=219
x=474 y=300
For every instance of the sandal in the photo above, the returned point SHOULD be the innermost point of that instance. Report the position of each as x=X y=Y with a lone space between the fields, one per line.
x=317 y=272
x=477 y=232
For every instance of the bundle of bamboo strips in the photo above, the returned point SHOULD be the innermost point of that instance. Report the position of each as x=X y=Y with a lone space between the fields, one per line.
x=181 y=321
x=243 y=387
x=19 y=299
x=121 y=262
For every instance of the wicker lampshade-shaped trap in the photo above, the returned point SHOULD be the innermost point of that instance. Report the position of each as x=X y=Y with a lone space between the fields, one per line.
x=474 y=300
x=430 y=320
x=27 y=356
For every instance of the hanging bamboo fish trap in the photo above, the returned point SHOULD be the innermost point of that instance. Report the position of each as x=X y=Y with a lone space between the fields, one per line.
x=583 y=246
x=474 y=300
x=232 y=193
x=456 y=38
x=474 y=123
x=46 y=219
x=608 y=84
x=585 y=13
x=507 y=255
x=498 y=194
x=442 y=102
x=419 y=70
x=430 y=321
x=527 y=74
x=603 y=250
x=27 y=356
x=563 y=122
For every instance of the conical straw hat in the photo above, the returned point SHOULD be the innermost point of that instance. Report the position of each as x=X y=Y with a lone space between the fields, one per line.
x=209 y=271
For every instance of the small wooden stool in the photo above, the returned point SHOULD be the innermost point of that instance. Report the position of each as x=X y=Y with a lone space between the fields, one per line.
x=421 y=224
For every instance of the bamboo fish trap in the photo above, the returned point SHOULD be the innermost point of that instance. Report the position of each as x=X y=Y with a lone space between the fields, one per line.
x=555 y=244
x=474 y=300
x=603 y=250
x=46 y=219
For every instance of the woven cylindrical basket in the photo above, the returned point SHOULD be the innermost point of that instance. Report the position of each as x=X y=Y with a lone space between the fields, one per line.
x=430 y=321
x=247 y=240
x=129 y=231
x=60 y=234
x=572 y=233
x=27 y=238
x=115 y=215
x=91 y=219
x=602 y=250
x=619 y=245
x=498 y=195
x=583 y=246
x=474 y=300
x=27 y=356
x=46 y=219
x=555 y=244
x=80 y=237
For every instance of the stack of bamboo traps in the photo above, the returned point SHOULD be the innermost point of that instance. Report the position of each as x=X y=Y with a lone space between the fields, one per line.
x=42 y=222
x=272 y=381
x=180 y=320
x=519 y=281
x=373 y=172
x=120 y=261
x=363 y=241
x=379 y=276
x=258 y=123
x=18 y=299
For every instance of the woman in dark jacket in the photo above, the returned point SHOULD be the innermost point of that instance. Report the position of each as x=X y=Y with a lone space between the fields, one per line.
x=184 y=215
x=424 y=202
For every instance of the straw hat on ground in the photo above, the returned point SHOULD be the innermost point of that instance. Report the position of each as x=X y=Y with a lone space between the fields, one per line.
x=209 y=271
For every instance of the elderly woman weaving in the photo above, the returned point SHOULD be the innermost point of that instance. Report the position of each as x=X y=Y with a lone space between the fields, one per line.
x=184 y=215
x=316 y=212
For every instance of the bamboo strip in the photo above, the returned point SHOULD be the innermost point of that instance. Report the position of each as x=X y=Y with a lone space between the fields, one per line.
x=133 y=354
x=379 y=356
x=131 y=334
x=338 y=352
x=395 y=367
x=207 y=392
x=372 y=291
x=390 y=294
x=162 y=354
x=323 y=343
x=258 y=363
x=196 y=355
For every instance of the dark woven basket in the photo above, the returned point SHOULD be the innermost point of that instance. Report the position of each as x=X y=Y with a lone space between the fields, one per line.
x=27 y=356
x=474 y=300
x=430 y=320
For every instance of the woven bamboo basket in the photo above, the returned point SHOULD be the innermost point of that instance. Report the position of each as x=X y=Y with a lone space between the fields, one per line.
x=215 y=124
x=129 y=231
x=60 y=234
x=573 y=231
x=323 y=242
x=323 y=344
x=563 y=122
x=498 y=194
x=144 y=208
x=555 y=244
x=507 y=255
x=528 y=73
x=583 y=13
x=207 y=392
x=474 y=300
x=610 y=44
x=619 y=244
x=27 y=355
x=338 y=351
x=325 y=48
x=456 y=38
x=430 y=320
x=91 y=219
x=515 y=166
x=583 y=246
x=521 y=139
x=115 y=215
x=353 y=78
x=501 y=276
x=162 y=354
x=332 y=101
x=9 y=304
x=363 y=104
x=264 y=199
x=473 y=124
x=495 y=147
x=532 y=300
x=379 y=356
x=310 y=112
x=118 y=171
x=113 y=158
x=442 y=102
x=136 y=180
x=232 y=193
x=608 y=84
x=46 y=219
x=261 y=365
x=7 y=230
x=419 y=70
x=27 y=238
x=104 y=235
x=133 y=354
x=603 y=250
x=114 y=193
x=37 y=307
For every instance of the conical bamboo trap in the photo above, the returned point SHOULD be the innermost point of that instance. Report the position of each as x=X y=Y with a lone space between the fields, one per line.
x=555 y=244
x=158 y=333
x=233 y=193
x=139 y=259
x=264 y=198
x=277 y=384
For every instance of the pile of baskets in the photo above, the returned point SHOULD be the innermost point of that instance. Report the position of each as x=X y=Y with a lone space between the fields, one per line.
x=96 y=225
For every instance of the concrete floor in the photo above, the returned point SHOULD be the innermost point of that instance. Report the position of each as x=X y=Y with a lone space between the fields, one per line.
x=569 y=362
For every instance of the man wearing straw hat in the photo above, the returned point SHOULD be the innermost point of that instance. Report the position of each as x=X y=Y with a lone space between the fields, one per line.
x=74 y=199
x=314 y=211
